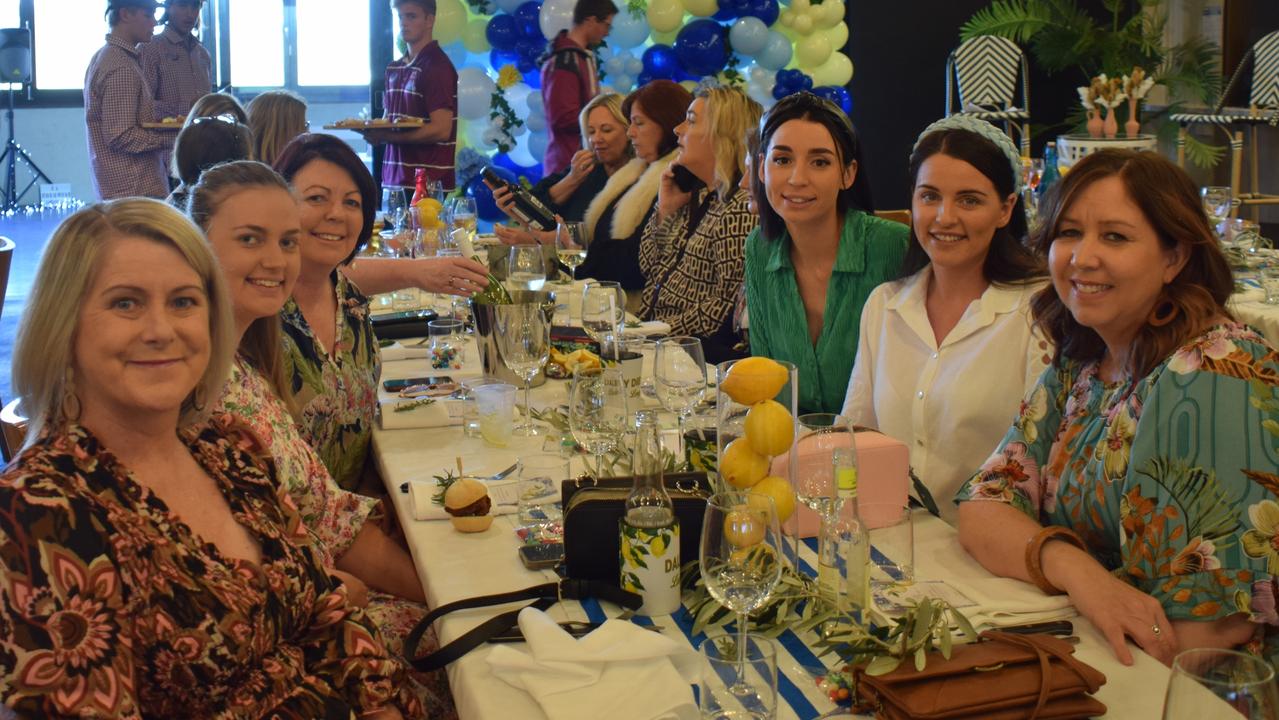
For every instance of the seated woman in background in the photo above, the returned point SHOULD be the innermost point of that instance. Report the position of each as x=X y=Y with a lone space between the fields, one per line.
x=215 y=104
x=150 y=566
x=275 y=117
x=569 y=192
x=692 y=249
x=200 y=145
x=1138 y=477
x=251 y=219
x=947 y=351
x=818 y=251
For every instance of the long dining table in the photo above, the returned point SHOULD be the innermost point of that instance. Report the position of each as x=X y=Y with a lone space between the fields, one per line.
x=455 y=566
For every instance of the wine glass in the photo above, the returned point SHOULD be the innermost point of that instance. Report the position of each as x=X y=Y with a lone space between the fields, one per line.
x=679 y=369
x=395 y=205
x=741 y=556
x=1207 y=682
x=1217 y=202
x=571 y=245
x=597 y=411
x=463 y=215
x=526 y=268
x=603 y=310
x=820 y=435
x=524 y=340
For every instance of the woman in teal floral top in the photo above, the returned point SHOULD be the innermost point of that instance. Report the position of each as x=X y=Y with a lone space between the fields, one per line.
x=1150 y=437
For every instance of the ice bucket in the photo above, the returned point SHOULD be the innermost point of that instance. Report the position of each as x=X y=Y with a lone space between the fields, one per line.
x=486 y=335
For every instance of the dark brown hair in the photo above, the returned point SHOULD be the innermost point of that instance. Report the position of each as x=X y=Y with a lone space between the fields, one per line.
x=319 y=146
x=206 y=142
x=428 y=6
x=1007 y=259
x=664 y=102
x=1170 y=202
x=599 y=9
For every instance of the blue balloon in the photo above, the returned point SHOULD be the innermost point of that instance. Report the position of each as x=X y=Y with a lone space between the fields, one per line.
x=503 y=32
x=644 y=78
x=498 y=58
x=530 y=50
x=765 y=10
x=728 y=10
x=527 y=16
x=485 y=207
x=532 y=172
x=533 y=78
x=789 y=82
x=660 y=62
x=701 y=47
x=837 y=95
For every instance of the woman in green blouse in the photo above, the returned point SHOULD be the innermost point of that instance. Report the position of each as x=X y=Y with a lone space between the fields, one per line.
x=818 y=251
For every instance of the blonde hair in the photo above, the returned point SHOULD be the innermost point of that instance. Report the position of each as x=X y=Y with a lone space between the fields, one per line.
x=730 y=115
x=44 y=349
x=613 y=102
x=275 y=117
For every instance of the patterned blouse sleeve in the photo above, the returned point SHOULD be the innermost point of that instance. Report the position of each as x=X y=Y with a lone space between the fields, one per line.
x=1199 y=518
x=1017 y=473
x=66 y=628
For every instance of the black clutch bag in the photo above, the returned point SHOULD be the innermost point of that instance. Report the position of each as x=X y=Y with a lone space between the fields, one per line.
x=592 y=509
x=400 y=325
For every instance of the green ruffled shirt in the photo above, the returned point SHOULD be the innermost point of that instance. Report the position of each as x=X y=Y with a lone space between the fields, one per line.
x=870 y=252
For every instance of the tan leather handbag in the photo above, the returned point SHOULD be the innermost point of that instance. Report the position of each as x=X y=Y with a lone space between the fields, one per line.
x=1003 y=677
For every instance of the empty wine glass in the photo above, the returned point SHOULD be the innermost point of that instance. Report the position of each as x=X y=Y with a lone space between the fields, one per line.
x=1217 y=201
x=526 y=268
x=1208 y=683
x=603 y=310
x=741 y=556
x=395 y=206
x=820 y=435
x=597 y=411
x=524 y=340
x=679 y=371
x=570 y=244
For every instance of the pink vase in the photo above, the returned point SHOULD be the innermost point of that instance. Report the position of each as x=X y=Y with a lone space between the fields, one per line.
x=1132 y=128
x=1111 y=126
x=1094 y=123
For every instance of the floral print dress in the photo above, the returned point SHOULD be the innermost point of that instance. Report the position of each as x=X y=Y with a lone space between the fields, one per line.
x=1171 y=479
x=333 y=515
x=338 y=392
x=110 y=606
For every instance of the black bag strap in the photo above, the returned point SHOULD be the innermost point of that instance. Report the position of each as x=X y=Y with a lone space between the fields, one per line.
x=543 y=596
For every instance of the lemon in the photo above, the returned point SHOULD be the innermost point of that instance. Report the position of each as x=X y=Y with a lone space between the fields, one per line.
x=743 y=528
x=769 y=428
x=754 y=379
x=741 y=466
x=780 y=491
x=428 y=212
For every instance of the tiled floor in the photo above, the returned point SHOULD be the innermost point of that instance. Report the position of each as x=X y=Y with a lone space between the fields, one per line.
x=30 y=231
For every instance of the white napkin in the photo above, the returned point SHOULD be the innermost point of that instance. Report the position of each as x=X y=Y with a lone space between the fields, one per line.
x=504 y=496
x=620 y=671
x=441 y=413
x=399 y=351
x=645 y=329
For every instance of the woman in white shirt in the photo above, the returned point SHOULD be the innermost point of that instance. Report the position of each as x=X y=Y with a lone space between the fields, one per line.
x=946 y=352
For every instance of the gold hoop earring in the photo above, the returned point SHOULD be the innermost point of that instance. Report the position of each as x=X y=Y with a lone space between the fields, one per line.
x=70 y=404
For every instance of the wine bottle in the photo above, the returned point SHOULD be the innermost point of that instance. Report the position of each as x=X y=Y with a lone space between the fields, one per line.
x=527 y=208
x=650 y=558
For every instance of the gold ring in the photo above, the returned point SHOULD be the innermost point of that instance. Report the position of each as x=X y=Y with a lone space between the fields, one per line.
x=1155 y=628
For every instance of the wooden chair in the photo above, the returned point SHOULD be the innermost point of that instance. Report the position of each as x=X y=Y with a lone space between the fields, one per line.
x=901 y=216
x=13 y=429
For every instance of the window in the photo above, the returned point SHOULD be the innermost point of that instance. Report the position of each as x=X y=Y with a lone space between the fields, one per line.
x=9 y=15
x=257 y=43
x=333 y=47
x=63 y=48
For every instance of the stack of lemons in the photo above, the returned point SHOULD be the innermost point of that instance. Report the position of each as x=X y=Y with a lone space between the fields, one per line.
x=428 y=213
x=770 y=430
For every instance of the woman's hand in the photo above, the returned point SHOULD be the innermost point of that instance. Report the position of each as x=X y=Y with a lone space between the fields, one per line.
x=450 y=275
x=520 y=235
x=357 y=593
x=669 y=197
x=505 y=200
x=580 y=166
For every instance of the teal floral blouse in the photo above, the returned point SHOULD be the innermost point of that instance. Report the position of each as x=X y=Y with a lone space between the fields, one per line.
x=338 y=392
x=1171 y=479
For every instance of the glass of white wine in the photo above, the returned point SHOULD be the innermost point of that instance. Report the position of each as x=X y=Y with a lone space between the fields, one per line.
x=463 y=215
x=524 y=340
x=570 y=244
x=526 y=268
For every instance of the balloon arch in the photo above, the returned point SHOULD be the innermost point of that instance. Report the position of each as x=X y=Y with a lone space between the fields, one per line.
x=769 y=50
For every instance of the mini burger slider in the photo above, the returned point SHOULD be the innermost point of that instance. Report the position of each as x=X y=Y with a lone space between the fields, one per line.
x=467 y=501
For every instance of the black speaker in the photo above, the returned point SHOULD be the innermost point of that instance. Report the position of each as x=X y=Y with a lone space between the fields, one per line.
x=15 y=55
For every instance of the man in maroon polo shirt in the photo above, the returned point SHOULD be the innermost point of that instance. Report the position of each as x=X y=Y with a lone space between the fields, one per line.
x=570 y=79
x=422 y=84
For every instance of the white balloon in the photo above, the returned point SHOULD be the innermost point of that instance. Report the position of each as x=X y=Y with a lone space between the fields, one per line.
x=474 y=93
x=537 y=143
x=556 y=15
x=622 y=82
x=535 y=121
x=614 y=65
x=534 y=102
x=634 y=66
x=628 y=31
x=520 y=153
x=517 y=96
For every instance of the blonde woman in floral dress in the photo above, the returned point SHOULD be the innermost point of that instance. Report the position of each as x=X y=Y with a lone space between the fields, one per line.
x=1140 y=476
x=252 y=222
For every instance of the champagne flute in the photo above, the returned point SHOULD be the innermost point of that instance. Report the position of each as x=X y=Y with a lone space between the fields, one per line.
x=526 y=268
x=1208 y=682
x=571 y=245
x=597 y=411
x=524 y=340
x=741 y=557
x=679 y=369
x=603 y=309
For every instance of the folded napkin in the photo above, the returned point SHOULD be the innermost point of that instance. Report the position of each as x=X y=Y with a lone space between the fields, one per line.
x=399 y=351
x=644 y=329
x=504 y=496
x=441 y=413
x=620 y=671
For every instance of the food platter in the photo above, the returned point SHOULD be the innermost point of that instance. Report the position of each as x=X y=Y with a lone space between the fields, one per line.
x=399 y=123
x=165 y=124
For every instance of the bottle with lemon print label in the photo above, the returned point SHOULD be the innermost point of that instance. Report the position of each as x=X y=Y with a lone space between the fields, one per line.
x=650 y=558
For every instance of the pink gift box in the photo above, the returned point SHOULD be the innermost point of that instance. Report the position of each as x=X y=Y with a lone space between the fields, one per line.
x=883 y=478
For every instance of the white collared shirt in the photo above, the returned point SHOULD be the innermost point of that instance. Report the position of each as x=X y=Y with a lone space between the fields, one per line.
x=953 y=403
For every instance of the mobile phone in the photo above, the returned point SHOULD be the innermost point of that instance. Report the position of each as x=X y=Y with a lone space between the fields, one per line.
x=685 y=180
x=542 y=556
x=398 y=385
